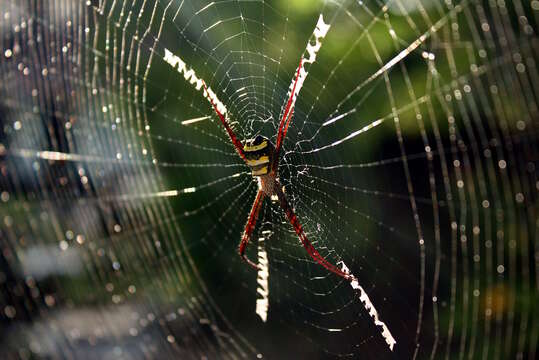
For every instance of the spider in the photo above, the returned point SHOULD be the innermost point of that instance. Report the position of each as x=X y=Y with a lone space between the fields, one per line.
x=262 y=157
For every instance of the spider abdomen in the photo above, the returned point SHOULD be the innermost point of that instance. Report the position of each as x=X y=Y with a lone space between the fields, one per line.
x=259 y=155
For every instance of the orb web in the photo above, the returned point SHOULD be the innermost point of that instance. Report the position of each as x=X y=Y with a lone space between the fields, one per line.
x=410 y=161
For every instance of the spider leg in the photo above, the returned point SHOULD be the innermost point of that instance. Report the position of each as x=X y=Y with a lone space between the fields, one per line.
x=305 y=241
x=250 y=226
x=287 y=116
x=285 y=129
x=235 y=141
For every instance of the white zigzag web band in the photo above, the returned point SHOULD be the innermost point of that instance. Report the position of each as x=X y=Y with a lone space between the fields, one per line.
x=262 y=303
x=309 y=56
x=367 y=304
x=189 y=74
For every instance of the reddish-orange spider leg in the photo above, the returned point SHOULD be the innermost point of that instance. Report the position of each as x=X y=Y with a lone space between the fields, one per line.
x=287 y=116
x=250 y=226
x=257 y=204
x=305 y=241
x=283 y=128
x=235 y=141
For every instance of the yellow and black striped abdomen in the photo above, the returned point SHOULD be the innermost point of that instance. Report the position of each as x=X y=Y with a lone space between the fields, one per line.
x=258 y=155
